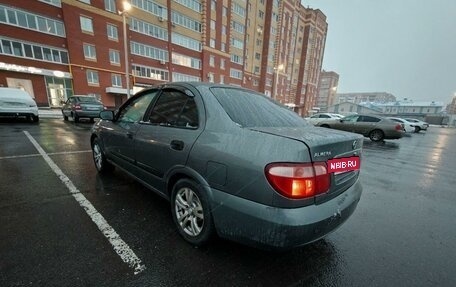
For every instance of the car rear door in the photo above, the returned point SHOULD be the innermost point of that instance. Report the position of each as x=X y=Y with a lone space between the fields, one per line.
x=365 y=124
x=166 y=137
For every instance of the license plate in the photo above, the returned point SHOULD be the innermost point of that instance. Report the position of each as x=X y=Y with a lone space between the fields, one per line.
x=92 y=109
x=338 y=165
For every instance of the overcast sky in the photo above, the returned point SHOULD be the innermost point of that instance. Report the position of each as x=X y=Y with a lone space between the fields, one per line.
x=403 y=47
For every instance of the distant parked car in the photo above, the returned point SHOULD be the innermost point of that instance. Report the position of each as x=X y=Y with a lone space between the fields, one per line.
x=419 y=125
x=18 y=103
x=374 y=127
x=315 y=119
x=409 y=127
x=80 y=106
x=232 y=162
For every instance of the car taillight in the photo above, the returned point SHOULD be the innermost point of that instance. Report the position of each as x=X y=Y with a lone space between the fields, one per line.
x=399 y=127
x=298 y=181
x=105 y=108
x=77 y=107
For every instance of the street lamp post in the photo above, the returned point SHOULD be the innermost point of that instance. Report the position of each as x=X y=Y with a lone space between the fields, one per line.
x=127 y=7
x=277 y=69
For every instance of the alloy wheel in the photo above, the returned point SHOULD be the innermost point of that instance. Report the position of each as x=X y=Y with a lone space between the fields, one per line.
x=189 y=211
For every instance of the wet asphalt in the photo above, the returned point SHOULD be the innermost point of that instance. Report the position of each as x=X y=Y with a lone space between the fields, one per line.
x=403 y=232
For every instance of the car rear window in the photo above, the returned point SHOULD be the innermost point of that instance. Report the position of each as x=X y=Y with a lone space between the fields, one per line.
x=249 y=109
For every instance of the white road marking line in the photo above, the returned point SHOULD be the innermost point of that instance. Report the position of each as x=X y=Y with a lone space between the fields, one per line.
x=37 y=154
x=121 y=248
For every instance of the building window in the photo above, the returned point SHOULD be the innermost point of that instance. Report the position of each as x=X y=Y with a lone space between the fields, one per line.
x=92 y=78
x=212 y=43
x=116 y=80
x=110 y=5
x=86 y=24
x=237 y=59
x=213 y=4
x=224 y=11
x=186 y=61
x=114 y=57
x=31 y=21
x=186 y=42
x=151 y=7
x=57 y=3
x=237 y=74
x=150 y=73
x=148 y=29
x=32 y=51
x=212 y=61
x=238 y=9
x=192 y=4
x=186 y=22
x=222 y=64
x=85 y=1
x=210 y=77
x=257 y=56
x=90 y=52
x=111 y=31
x=223 y=47
x=261 y=14
x=178 y=77
x=237 y=43
x=148 y=51
x=257 y=70
x=212 y=24
x=238 y=27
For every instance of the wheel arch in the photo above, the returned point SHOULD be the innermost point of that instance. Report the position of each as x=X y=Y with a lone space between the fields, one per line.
x=181 y=172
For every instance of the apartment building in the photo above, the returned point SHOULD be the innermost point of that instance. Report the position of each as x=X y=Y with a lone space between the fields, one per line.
x=57 y=48
x=356 y=98
x=327 y=90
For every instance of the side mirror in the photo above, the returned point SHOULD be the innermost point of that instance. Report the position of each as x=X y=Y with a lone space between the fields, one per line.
x=107 y=115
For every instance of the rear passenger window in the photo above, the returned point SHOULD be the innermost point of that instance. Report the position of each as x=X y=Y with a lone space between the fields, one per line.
x=175 y=109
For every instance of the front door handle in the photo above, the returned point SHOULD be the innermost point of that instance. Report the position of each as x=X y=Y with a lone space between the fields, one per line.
x=177 y=145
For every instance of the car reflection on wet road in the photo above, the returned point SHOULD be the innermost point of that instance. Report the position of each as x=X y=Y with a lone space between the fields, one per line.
x=402 y=232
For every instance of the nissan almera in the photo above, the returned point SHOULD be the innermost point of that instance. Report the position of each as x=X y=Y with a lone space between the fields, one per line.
x=233 y=163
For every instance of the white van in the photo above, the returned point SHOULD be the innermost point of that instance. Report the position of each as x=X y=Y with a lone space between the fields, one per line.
x=17 y=103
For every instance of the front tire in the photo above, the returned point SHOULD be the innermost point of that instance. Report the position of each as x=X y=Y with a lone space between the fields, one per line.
x=101 y=164
x=191 y=212
x=376 y=135
x=417 y=129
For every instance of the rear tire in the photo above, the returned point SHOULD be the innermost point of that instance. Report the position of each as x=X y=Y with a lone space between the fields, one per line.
x=65 y=118
x=417 y=129
x=376 y=135
x=101 y=164
x=191 y=212
x=35 y=119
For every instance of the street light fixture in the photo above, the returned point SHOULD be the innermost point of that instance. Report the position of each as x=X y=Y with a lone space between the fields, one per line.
x=126 y=8
x=277 y=70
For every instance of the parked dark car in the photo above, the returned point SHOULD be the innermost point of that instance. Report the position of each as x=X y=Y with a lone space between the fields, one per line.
x=234 y=163
x=374 y=127
x=78 y=107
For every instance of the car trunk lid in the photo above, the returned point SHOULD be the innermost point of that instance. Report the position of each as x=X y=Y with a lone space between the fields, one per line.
x=324 y=147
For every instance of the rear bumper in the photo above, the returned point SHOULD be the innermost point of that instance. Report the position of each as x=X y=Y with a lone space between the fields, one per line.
x=269 y=227
x=18 y=113
x=88 y=114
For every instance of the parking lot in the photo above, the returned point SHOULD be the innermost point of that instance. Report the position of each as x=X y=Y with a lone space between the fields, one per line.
x=62 y=224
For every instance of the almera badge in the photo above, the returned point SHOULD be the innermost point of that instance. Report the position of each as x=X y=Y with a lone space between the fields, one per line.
x=343 y=164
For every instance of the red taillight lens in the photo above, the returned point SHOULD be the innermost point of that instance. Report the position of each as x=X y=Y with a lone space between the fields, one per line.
x=105 y=108
x=298 y=180
x=77 y=107
x=399 y=127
